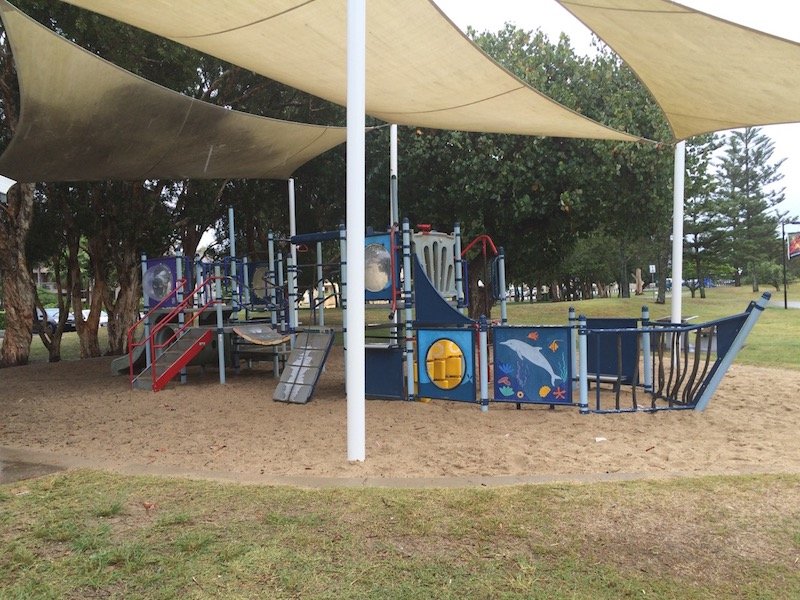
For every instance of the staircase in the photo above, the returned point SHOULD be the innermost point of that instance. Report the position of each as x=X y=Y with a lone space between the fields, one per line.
x=173 y=359
x=171 y=356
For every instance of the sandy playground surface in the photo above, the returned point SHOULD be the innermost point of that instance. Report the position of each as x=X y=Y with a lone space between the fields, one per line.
x=77 y=414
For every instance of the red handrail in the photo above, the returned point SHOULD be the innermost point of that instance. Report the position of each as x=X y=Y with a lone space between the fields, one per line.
x=481 y=238
x=165 y=320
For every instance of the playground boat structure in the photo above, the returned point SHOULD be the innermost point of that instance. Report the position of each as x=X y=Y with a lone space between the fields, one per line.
x=240 y=311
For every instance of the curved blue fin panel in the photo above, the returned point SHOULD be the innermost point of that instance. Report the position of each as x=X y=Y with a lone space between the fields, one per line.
x=431 y=308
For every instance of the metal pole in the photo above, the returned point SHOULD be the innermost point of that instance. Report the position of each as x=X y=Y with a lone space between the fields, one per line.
x=148 y=353
x=394 y=203
x=292 y=221
x=677 y=231
x=235 y=301
x=220 y=329
x=270 y=287
x=407 y=305
x=320 y=288
x=356 y=224
x=483 y=357
x=785 y=253
x=573 y=341
x=648 y=362
x=291 y=274
x=460 y=304
x=179 y=299
x=501 y=276
x=583 y=377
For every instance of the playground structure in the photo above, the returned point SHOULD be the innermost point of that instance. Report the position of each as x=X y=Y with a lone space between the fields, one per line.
x=239 y=311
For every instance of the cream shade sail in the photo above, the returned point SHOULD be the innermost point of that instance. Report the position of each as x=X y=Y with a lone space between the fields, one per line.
x=84 y=119
x=421 y=70
x=707 y=74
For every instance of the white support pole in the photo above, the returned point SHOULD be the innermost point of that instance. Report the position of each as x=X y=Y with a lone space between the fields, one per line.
x=292 y=221
x=356 y=224
x=394 y=204
x=677 y=231
x=647 y=358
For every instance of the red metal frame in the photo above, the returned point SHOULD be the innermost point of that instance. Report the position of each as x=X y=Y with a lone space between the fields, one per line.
x=165 y=320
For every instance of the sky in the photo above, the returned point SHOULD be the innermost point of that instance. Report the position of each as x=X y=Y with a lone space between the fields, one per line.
x=778 y=17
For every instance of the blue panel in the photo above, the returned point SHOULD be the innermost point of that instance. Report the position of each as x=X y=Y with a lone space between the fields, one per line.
x=604 y=349
x=532 y=365
x=463 y=338
x=430 y=307
x=385 y=377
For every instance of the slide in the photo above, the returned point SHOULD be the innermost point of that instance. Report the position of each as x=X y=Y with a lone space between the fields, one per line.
x=121 y=366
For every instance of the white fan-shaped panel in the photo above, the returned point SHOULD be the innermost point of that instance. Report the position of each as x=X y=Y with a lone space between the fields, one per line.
x=436 y=253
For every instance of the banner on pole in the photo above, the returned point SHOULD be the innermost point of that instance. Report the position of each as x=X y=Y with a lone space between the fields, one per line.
x=794 y=245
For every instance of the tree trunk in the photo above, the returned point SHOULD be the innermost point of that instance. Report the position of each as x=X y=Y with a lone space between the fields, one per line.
x=18 y=285
x=123 y=312
x=480 y=297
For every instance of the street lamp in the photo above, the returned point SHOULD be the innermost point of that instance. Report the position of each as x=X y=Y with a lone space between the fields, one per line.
x=785 y=254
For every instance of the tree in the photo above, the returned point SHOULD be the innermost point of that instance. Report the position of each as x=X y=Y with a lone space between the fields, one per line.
x=703 y=227
x=16 y=215
x=747 y=197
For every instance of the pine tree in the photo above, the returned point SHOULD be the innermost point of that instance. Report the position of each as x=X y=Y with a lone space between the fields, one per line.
x=747 y=197
x=703 y=227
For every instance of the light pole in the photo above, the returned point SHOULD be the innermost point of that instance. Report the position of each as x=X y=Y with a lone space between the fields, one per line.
x=785 y=254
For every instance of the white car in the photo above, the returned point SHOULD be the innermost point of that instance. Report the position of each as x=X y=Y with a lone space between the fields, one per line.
x=103 y=317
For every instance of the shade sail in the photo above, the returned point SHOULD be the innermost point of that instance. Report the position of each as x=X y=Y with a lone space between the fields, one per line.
x=707 y=74
x=84 y=119
x=421 y=70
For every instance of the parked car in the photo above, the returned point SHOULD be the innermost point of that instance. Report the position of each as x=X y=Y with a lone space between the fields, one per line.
x=103 y=317
x=50 y=317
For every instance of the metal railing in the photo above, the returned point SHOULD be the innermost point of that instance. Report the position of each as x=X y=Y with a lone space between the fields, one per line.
x=166 y=319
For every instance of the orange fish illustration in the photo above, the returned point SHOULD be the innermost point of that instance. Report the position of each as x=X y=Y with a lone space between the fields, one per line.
x=553 y=346
x=533 y=335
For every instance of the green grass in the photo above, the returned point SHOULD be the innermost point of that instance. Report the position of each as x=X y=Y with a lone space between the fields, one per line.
x=694 y=538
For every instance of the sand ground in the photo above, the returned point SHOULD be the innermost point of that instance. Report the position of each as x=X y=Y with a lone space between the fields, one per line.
x=77 y=413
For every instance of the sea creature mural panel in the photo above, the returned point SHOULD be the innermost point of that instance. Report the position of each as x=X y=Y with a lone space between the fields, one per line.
x=532 y=365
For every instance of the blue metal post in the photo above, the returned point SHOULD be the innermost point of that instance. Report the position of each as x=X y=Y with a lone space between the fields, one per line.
x=343 y=288
x=283 y=326
x=483 y=357
x=737 y=344
x=235 y=299
x=291 y=275
x=460 y=296
x=179 y=299
x=407 y=306
x=320 y=288
x=148 y=353
x=583 y=378
x=270 y=289
x=217 y=296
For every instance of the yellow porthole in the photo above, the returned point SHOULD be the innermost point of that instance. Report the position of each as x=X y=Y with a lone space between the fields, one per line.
x=445 y=364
